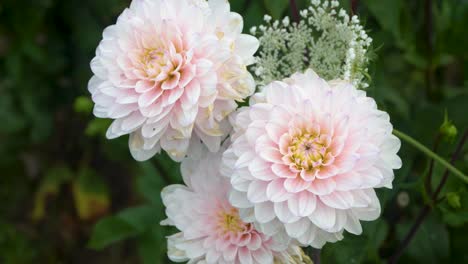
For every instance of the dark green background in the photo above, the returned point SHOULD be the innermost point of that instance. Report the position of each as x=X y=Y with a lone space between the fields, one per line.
x=59 y=176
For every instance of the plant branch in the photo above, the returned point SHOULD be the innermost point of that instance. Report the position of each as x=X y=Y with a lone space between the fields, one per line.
x=431 y=154
x=428 y=207
x=294 y=11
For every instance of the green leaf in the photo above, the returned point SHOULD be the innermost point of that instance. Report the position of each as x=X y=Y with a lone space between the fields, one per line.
x=97 y=127
x=357 y=249
x=387 y=13
x=91 y=195
x=110 y=230
x=150 y=183
x=126 y=224
x=152 y=246
x=430 y=243
x=276 y=8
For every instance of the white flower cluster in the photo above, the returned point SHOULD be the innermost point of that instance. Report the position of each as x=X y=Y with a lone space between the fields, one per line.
x=326 y=40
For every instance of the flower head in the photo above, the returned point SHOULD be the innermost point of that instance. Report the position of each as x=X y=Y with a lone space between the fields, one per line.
x=306 y=156
x=211 y=229
x=170 y=71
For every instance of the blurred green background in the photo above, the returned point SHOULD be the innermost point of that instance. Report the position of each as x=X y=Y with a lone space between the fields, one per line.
x=68 y=195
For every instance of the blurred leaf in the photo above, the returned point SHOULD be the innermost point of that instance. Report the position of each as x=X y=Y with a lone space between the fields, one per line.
x=387 y=13
x=15 y=247
x=49 y=186
x=357 y=249
x=430 y=244
x=128 y=223
x=455 y=208
x=91 y=195
x=83 y=104
x=276 y=8
x=110 y=230
x=97 y=127
x=152 y=246
x=150 y=183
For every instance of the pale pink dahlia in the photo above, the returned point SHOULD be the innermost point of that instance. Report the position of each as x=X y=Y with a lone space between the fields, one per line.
x=306 y=156
x=170 y=71
x=211 y=230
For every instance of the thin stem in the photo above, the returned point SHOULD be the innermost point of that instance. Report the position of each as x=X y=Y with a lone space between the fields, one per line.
x=431 y=154
x=294 y=11
x=428 y=207
x=428 y=180
x=422 y=215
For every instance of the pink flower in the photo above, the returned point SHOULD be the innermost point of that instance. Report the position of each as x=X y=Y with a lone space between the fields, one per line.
x=169 y=72
x=211 y=229
x=306 y=156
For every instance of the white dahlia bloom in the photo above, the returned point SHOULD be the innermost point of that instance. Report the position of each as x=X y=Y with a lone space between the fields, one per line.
x=211 y=230
x=306 y=156
x=169 y=72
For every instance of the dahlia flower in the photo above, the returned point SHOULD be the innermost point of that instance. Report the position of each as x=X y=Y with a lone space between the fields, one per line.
x=169 y=72
x=211 y=229
x=306 y=156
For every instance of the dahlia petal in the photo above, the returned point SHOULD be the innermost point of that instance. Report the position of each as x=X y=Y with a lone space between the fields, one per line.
x=276 y=192
x=264 y=212
x=338 y=200
x=149 y=97
x=353 y=225
x=283 y=171
x=296 y=185
x=203 y=67
x=271 y=154
x=212 y=256
x=322 y=187
x=284 y=214
x=144 y=86
x=246 y=46
x=133 y=121
x=323 y=216
x=262 y=256
x=298 y=228
x=257 y=192
x=245 y=256
x=230 y=253
x=245 y=160
x=239 y=199
x=302 y=204
x=275 y=131
x=261 y=170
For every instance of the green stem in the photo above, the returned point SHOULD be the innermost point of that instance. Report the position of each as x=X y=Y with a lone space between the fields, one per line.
x=431 y=154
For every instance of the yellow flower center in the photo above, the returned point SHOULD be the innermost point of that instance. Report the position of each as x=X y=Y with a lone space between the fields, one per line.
x=309 y=150
x=230 y=221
